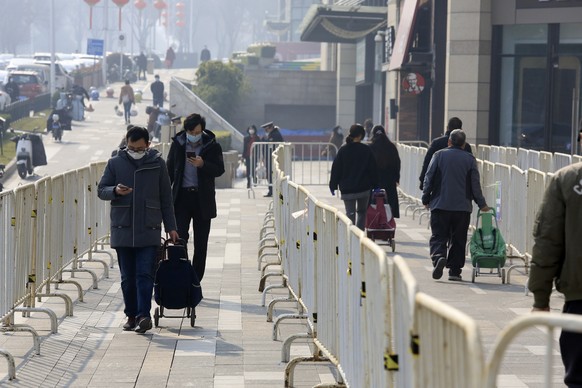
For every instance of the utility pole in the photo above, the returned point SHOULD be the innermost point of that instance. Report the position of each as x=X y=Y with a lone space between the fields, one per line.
x=52 y=44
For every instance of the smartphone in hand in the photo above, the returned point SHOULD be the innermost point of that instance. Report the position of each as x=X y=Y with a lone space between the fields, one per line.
x=190 y=154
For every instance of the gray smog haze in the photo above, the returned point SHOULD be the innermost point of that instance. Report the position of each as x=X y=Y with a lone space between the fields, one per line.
x=222 y=25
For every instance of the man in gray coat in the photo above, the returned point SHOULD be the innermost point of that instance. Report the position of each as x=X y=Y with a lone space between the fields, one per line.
x=137 y=184
x=450 y=184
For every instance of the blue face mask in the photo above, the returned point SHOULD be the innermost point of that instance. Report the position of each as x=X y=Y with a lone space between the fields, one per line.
x=194 y=138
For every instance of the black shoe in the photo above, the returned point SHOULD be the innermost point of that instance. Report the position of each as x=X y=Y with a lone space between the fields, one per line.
x=130 y=324
x=455 y=278
x=437 y=272
x=269 y=194
x=143 y=325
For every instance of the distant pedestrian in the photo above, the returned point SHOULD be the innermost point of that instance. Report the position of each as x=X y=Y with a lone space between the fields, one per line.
x=194 y=162
x=157 y=88
x=337 y=139
x=137 y=184
x=439 y=143
x=248 y=141
x=127 y=98
x=354 y=172
x=388 y=166
x=13 y=90
x=170 y=57
x=450 y=183
x=204 y=55
x=272 y=135
x=556 y=257
x=142 y=65
x=368 y=125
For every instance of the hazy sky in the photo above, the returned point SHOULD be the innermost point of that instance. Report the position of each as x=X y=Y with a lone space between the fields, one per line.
x=223 y=25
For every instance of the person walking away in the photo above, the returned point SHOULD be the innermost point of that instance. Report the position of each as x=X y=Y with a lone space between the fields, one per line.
x=368 y=125
x=157 y=88
x=136 y=182
x=142 y=64
x=194 y=161
x=126 y=97
x=388 y=166
x=439 y=143
x=556 y=258
x=354 y=172
x=337 y=139
x=204 y=54
x=170 y=57
x=248 y=141
x=272 y=135
x=451 y=182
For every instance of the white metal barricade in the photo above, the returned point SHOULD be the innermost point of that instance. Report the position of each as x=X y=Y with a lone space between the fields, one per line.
x=495 y=154
x=501 y=206
x=483 y=152
x=522 y=159
x=450 y=351
x=310 y=165
x=546 y=161
x=550 y=321
x=517 y=209
x=560 y=161
x=536 y=186
x=533 y=159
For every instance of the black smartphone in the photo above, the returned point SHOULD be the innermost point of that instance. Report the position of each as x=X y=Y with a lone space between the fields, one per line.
x=190 y=154
x=122 y=186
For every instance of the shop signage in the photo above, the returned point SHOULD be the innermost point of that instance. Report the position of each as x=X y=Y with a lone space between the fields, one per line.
x=413 y=83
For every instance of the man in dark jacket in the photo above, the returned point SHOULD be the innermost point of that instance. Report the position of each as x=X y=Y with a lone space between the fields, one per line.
x=157 y=88
x=194 y=161
x=142 y=65
x=439 y=143
x=450 y=184
x=137 y=184
x=272 y=135
x=556 y=257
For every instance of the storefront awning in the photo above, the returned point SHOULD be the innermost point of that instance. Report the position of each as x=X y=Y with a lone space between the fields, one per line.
x=404 y=34
x=341 y=24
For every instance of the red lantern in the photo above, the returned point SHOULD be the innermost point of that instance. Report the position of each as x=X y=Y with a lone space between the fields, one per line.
x=140 y=4
x=120 y=4
x=180 y=6
x=160 y=4
x=91 y=4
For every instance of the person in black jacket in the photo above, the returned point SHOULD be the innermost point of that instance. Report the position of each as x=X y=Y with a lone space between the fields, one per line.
x=157 y=88
x=272 y=136
x=388 y=165
x=439 y=143
x=194 y=161
x=248 y=141
x=354 y=171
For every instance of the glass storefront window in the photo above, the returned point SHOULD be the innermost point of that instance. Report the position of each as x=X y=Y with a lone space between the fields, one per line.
x=522 y=89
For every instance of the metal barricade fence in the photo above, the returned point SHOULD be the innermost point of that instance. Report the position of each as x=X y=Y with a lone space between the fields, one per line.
x=483 y=152
x=310 y=165
x=546 y=161
x=7 y=247
x=560 y=161
x=450 y=353
x=536 y=186
x=533 y=159
x=495 y=154
x=503 y=177
x=522 y=159
x=25 y=211
x=261 y=153
x=517 y=209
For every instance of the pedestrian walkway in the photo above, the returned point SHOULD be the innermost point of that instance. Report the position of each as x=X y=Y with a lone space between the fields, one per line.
x=231 y=344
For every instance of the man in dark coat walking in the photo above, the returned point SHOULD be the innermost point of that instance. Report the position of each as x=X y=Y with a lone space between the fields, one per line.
x=157 y=88
x=194 y=161
x=439 y=143
x=272 y=135
x=137 y=184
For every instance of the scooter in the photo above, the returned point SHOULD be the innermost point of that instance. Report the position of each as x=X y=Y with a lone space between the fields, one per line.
x=29 y=153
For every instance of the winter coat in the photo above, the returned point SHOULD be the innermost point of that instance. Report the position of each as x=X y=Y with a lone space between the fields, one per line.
x=557 y=250
x=126 y=90
x=136 y=218
x=248 y=144
x=388 y=174
x=452 y=181
x=274 y=136
x=353 y=169
x=213 y=167
x=157 y=88
x=437 y=144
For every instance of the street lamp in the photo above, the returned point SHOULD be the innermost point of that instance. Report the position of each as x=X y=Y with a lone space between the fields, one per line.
x=378 y=84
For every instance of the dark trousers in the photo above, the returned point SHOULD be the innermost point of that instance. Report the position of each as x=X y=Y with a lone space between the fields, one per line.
x=188 y=209
x=137 y=279
x=357 y=207
x=249 y=171
x=449 y=237
x=159 y=101
x=571 y=348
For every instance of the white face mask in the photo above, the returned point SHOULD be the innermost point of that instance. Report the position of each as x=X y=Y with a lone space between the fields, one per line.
x=340 y=132
x=136 y=155
x=251 y=131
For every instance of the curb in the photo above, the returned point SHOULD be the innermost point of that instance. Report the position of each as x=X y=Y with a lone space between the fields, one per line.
x=9 y=169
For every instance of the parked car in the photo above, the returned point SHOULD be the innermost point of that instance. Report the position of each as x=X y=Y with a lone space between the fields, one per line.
x=28 y=82
x=63 y=80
